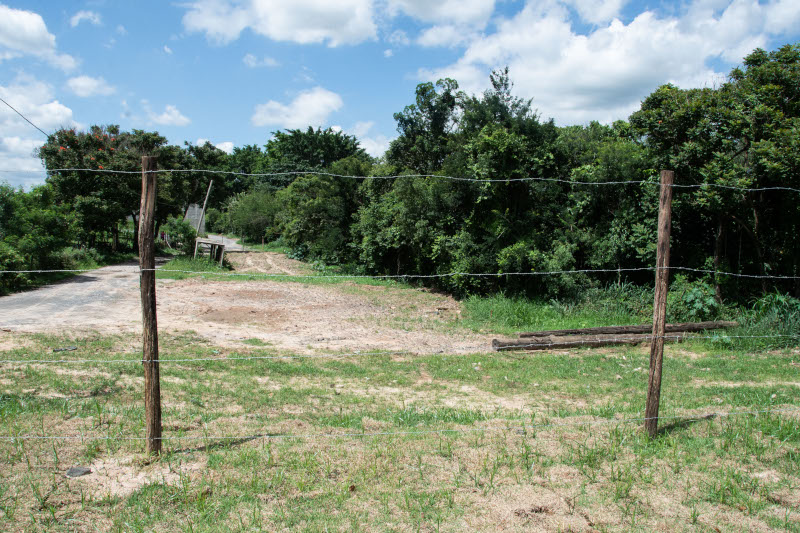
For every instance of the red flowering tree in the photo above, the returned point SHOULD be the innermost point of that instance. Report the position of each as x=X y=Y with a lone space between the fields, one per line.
x=97 y=173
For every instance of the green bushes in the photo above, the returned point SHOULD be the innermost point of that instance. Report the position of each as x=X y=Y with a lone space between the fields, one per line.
x=181 y=234
x=691 y=301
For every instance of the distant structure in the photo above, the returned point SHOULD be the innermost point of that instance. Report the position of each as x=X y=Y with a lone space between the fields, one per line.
x=193 y=214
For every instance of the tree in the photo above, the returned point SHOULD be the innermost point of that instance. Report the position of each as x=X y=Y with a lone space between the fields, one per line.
x=308 y=151
x=426 y=128
x=100 y=199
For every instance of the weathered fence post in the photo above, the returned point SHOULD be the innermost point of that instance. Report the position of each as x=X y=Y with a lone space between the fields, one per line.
x=147 y=280
x=660 y=303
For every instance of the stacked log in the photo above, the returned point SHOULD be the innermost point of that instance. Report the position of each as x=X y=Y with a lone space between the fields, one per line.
x=602 y=336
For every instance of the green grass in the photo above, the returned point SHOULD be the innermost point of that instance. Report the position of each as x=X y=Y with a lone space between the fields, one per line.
x=509 y=315
x=547 y=450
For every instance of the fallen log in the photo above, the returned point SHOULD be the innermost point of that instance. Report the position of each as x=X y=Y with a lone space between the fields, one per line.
x=555 y=342
x=621 y=330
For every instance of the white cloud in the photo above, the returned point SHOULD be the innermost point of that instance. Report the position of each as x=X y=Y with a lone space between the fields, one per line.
x=458 y=12
x=167 y=50
x=91 y=17
x=597 y=11
x=604 y=73
x=445 y=35
x=299 y=21
x=375 y=145
x=18 y=139
x=25 y=33
x=309 y=108
x=255 y=62
x=170 y=117
x=388 y=53
x=226 y=146
x=85 y=86
x=398 y=38
x=121 y=30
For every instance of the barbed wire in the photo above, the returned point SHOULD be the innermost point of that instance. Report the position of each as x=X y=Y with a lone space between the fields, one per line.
x=408 y=276
x=622 y=338
x=406 y=176
x=511 y=426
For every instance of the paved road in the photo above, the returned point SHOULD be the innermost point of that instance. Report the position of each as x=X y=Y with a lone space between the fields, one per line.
x=108 y=295
x=67 y=301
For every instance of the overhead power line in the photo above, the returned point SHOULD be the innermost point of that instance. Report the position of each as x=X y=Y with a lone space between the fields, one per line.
x=25 y=118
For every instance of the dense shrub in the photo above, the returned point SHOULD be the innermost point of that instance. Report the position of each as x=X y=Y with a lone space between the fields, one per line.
x=181 y=234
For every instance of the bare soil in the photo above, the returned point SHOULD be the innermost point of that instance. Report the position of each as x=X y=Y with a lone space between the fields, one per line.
x=287 y=315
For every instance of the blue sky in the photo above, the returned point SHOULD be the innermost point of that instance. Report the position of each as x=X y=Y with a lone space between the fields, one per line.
x=233 y=71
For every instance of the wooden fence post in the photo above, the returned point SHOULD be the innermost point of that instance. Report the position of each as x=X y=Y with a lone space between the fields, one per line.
x=659 y=304
x=147 y=280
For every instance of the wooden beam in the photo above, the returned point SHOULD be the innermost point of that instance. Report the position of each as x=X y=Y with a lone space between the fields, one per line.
x=560 y=342
x=644 y=328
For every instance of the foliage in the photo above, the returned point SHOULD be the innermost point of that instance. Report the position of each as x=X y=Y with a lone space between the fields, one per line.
x=181 y=234
x=252 y=215
x=691 y=301
x=303 y=151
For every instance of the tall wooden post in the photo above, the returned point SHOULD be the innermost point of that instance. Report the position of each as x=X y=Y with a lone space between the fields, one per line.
x=660 y=303
x=203 y=212
x=147 y=279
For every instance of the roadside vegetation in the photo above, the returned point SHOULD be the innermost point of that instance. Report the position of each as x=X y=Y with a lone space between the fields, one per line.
x=313 y=192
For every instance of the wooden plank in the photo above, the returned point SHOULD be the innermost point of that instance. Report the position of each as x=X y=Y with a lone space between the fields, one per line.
x=147 y=264
x=560 y=342
x=644 y=328
x=659 y=304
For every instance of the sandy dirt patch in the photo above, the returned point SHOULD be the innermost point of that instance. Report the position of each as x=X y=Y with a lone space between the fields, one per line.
x=125 y=475
x=294 y=316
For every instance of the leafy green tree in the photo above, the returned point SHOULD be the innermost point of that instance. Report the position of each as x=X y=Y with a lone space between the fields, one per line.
x=426 y=128
x=309 y=150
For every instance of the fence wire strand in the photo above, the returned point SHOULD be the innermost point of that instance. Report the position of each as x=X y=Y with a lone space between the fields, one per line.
x=510 y=426
x=266 y=275
x=407 y=176
x=623 y=338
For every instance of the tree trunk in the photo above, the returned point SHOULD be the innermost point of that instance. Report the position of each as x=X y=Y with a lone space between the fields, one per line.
x=718 y=258
x=135 y=233
x=757 y=245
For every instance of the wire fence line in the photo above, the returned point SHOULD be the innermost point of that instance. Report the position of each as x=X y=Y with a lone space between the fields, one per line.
x=407 y=176
x=266 y=275
x=516 y=347
x=511 y=426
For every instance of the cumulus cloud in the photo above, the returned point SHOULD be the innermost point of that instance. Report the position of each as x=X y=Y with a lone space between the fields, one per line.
x=252 y=61
x=445 y=35
x=86 y=86
x=597 y=11
x=456 y=12
x=374 y=145
x=604 y=73
x=167 y=50
x=18 y=139
x=25 y=33
x=92 y=17
x=226 y=146
x=170 y=117
x=309 y=108
x=299 y=21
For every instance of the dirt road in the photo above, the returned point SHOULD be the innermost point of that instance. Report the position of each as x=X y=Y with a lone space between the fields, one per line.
x=287 y=315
